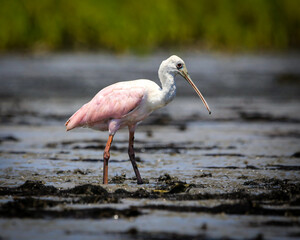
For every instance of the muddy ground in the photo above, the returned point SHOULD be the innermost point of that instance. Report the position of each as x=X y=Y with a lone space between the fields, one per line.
x=231 y=175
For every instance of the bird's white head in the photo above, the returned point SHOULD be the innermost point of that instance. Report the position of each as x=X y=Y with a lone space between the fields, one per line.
x=171 y=65
x=175 y=65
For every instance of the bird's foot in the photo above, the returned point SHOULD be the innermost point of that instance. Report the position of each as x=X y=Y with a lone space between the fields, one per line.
x=140 y=182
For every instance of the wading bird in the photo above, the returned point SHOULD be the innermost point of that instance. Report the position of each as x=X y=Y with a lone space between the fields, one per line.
x=127 y=104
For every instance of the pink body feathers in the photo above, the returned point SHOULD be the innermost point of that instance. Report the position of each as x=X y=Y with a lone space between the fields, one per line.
x=112 y=108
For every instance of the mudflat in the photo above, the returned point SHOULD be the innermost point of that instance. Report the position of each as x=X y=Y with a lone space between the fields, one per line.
x=230 y=175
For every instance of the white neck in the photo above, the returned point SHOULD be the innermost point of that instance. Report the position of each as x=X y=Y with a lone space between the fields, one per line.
x=168 y=84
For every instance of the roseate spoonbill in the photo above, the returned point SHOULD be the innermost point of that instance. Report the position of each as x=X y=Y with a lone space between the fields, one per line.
x=127 y=104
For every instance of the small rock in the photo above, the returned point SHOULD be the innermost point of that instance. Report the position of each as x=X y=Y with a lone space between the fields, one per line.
x=119 y=179
x=296 y=155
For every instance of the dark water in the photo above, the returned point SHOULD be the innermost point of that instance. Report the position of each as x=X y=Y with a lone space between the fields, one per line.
x=82 y=75
x=230 y=175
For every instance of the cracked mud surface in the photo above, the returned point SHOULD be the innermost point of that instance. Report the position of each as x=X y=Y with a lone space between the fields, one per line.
x=232 y=175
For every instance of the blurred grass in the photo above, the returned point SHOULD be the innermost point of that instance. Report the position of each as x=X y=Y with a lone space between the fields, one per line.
x=143 y=26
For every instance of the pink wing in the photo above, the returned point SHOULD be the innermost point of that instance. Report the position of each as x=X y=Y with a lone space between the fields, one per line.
x=114 y=101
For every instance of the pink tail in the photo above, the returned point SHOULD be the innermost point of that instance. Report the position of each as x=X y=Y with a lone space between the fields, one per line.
x=77 y=119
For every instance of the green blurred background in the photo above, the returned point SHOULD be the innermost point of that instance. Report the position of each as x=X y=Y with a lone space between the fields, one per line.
x=145 y=26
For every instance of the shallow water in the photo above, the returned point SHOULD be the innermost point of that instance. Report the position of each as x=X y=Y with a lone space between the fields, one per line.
x=233 y=174
x=216 y=75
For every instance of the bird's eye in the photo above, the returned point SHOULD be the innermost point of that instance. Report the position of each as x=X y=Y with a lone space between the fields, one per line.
x=179 y=65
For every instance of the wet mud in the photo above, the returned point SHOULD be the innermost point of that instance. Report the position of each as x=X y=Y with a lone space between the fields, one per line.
x=253 y=189
x=28 y=204
x=230 y=175
x=35 y=200
x=40 y=208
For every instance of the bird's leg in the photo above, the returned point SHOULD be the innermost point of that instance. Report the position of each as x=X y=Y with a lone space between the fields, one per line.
x=106 y=156
x=132 y=156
